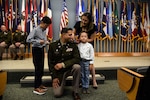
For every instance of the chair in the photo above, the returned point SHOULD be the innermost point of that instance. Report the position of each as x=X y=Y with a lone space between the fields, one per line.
x=131 y=83
x=3 y=81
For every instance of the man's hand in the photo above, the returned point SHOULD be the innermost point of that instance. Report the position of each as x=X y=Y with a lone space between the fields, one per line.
x=3 y=43
x=42 y=42
x=17 y=44
x=58 y=66
x=56 y=83
x=47 y=42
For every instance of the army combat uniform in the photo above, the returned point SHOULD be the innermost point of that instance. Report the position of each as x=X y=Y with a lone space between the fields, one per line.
x=69 y=55
x=18 y=36
x=4 y=37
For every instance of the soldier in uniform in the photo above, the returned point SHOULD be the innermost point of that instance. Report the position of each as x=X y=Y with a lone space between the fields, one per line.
x=18 y=42
x=5 y=39
x=63 y=60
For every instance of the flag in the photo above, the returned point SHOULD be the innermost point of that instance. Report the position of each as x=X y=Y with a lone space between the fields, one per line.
x=15 y=15
x=80 y=9
x=50 y=28
x=3 y=11
x=103 y=27
x=129 y=12
x=27 y=7
x=6 y=13
x=41 y=10
x=115 y=21
x=145 y=23
x=109 y=22
x=19 y=11
x=10 y=15
x=64 y=16
x=23 y=14
x=1 y=15
x=95 y=13
x=123 y=21
x=89 y=3
x=29 y=18
x=134 y=28
x=147 y=19
x=139 y=21
x=35 y=14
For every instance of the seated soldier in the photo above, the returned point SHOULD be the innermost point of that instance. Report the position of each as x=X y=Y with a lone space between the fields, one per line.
x=5 y=39
x=18 y=42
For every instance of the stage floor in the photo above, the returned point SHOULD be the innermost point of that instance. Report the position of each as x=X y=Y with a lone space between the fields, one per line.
x=100 y=63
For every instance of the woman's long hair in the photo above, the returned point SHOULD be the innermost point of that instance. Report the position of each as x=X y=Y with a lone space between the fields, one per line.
x=90 y=18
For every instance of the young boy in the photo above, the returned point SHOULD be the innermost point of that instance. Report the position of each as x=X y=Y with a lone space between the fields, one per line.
x=87 y=59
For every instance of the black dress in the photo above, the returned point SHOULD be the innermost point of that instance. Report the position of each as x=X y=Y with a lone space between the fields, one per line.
x=78 y=29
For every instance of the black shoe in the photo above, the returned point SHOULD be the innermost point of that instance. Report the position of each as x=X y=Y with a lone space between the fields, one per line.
x=76 y=96
x=0 y=58
x=21 y=58
x=95 y=87
x=16 y=57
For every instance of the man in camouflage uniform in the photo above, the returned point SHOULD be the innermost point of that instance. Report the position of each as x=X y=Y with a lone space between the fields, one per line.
x=18 y=42
x=5 y=39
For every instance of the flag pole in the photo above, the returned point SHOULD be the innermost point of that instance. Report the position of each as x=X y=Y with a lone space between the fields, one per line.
x=105 y=47
x=100 y=44
x=119 y=38
x=116 y=42
x=107 y=44
x=132 y=45
x=141 y=45
x=112 y=45
x=138 y=46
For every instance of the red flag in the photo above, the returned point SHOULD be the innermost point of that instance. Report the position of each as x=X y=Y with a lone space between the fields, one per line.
x=50 y=29
x=64 y=16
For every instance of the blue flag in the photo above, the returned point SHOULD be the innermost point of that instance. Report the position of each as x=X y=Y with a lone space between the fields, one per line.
x=110 y=28
x=103 y=27
x=80 y=9
x=123 y=21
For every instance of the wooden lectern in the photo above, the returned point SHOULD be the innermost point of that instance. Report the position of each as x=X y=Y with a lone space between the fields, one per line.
x=130 y=82
x=3 y=81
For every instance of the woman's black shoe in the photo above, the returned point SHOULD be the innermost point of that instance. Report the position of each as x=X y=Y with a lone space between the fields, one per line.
x=76 y=96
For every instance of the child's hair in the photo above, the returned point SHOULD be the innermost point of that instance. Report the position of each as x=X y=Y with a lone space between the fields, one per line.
x=46 y=20
x=82 y=32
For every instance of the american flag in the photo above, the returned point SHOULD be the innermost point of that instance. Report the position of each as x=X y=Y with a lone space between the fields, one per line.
x=64 y=16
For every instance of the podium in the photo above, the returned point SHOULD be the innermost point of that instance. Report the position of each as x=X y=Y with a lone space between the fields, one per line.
x=3 y=81
x=131 y=83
